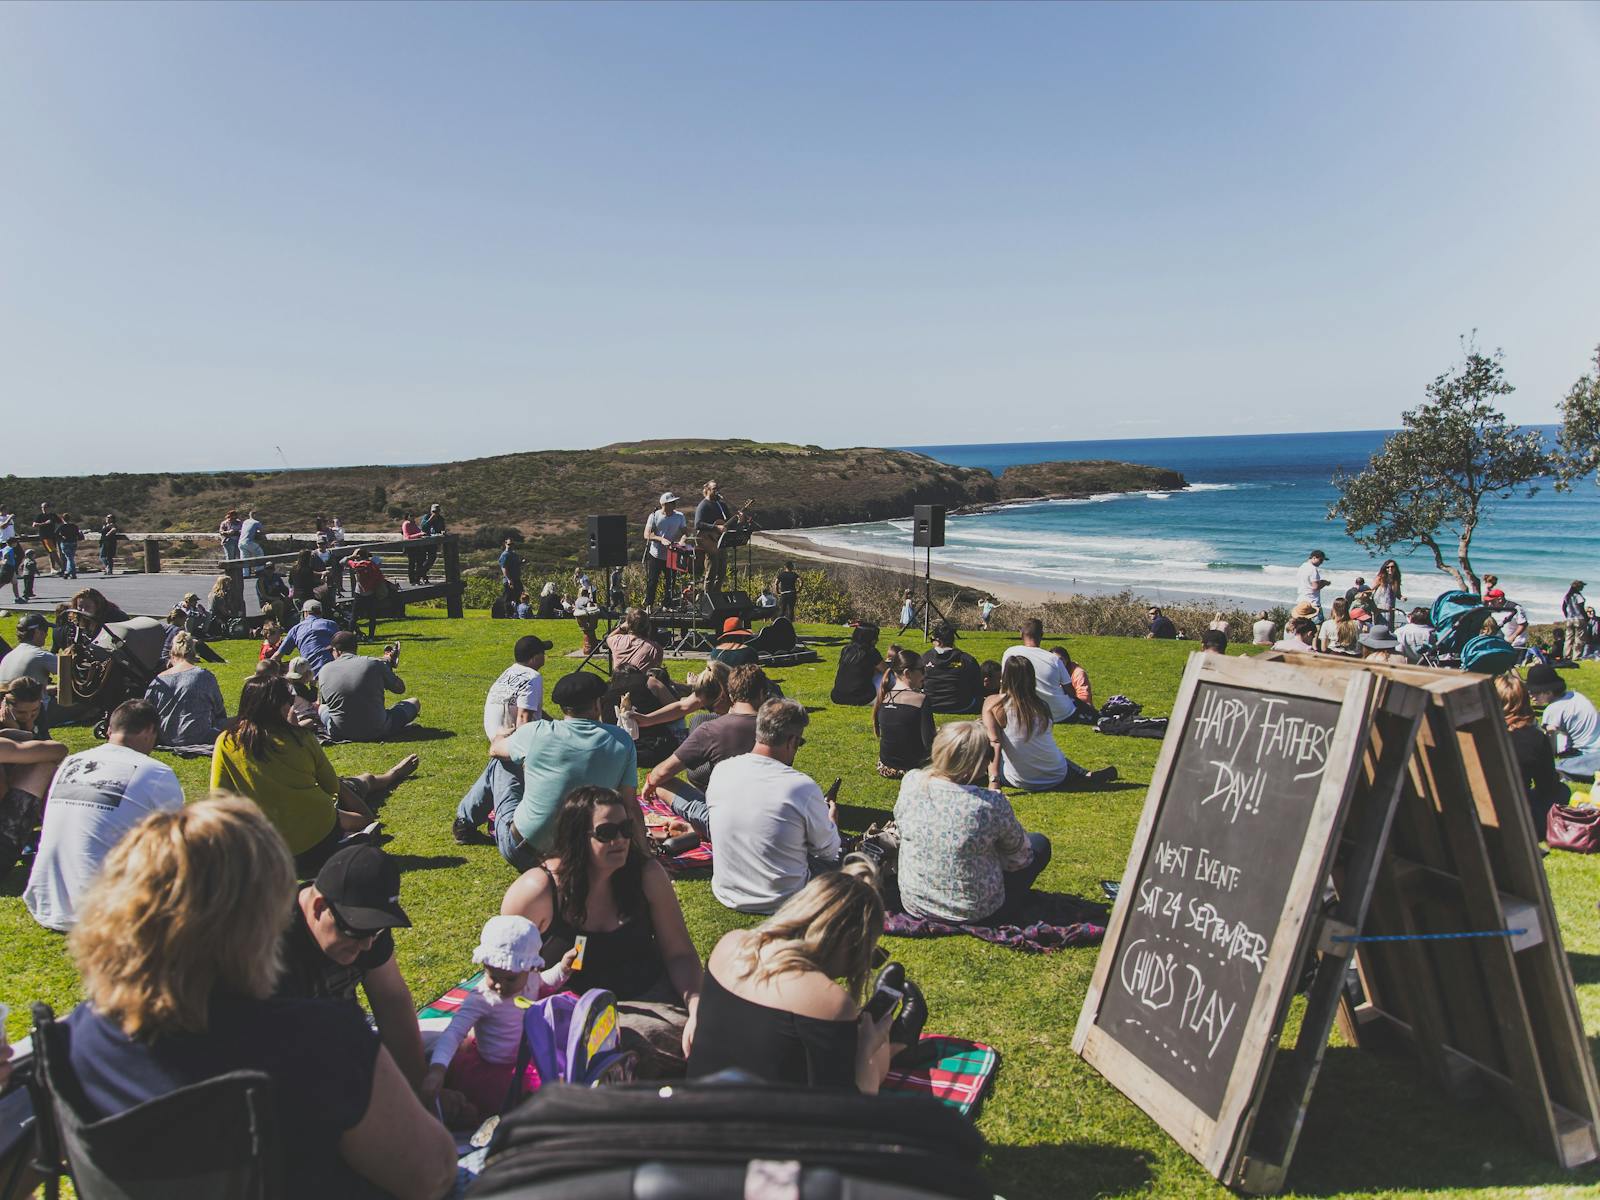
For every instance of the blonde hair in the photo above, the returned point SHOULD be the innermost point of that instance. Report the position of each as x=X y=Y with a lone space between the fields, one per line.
x=187 y=902
x=1514 y=700
x=830 y=926
x=961 y=751
x=183 y=644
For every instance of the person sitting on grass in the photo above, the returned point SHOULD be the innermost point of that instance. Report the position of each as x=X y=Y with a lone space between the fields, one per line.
x=991 y=679
x=951 y=678
x=29 y=659
x=709 y=743
x=1025 y=751
x=187 y=697
x=477 y=1052
x=1536 y=759
x=1340 y=634
x=1264 y=631
x=783 y=1001
x=95 y=612
x=312 y=635
x=272 y=593
x=1416 y=635
x=631 y=645
x=902 y=717
x=1571 y=715
x=1298 y=636
x=226 y=604
x=855 y=682
x=1055 y=689
x=353 y=688
x=22 y=710
x=1161 y=625
x=271 y=639
x=264 y=756
x=27 y=766
x=177 y=945
x=97 y=795
x=963 y=854
x=772 y=826
x=546 y=761
x=524 y=607
x=733 y=647
x=1083 y=709
x=600 y=882
x=1213 y=641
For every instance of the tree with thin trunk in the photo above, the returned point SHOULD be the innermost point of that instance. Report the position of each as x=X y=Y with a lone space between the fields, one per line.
x=1578 y=448
x=1428 y=488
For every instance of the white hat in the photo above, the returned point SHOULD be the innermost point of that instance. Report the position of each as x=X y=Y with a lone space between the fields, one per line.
x=311 y=606
x=668 y=498
x=509 y=944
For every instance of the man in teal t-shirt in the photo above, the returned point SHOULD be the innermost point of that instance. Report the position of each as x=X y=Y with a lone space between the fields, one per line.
x=557 y=756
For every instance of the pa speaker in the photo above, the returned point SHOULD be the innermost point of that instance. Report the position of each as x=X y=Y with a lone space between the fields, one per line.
x=608 y=540
x=928 y=525
x=717 y=607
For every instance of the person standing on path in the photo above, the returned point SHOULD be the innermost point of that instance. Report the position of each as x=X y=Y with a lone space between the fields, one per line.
x=110 y=535
x=45 y=526
x=1312 y=581
x=252 y=538
x=228 y=533
x=68 y=535
x=787 y=584
x=411 y=532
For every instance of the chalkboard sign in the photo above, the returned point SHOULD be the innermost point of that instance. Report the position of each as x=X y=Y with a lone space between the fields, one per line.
x=1228 y=864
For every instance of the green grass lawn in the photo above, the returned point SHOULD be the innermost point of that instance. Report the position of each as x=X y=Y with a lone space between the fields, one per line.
x=1055 y=1126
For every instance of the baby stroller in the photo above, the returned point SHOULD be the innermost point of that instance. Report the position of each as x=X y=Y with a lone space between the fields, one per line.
x=98 y=673
x=1459 y=641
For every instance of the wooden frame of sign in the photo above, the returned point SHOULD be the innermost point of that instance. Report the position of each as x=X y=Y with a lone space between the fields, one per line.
x=1181 y=916
x=1484 y=1015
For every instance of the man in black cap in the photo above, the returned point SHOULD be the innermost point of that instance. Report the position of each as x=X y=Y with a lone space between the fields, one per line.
x=29 y=659
x=339 y=938
x=1571 y=715
x=557 y=756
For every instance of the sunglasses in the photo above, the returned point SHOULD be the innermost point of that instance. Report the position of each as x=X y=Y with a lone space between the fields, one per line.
x=346 y=930
x=609 y=831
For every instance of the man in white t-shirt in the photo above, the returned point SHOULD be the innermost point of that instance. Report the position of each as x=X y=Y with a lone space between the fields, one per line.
x=1051 y=679
x=1312 y=581
x=1571 y=715
x=517 y=697
x=96 y=797
x=29 y=659
x=773 y=827
x=1510 y=616
x=1416 y=635
x=662 y=528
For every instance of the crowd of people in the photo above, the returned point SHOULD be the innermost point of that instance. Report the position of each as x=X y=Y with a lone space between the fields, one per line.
x=289 y=903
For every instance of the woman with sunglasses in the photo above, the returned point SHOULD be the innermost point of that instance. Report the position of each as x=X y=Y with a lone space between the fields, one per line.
x=603 y=885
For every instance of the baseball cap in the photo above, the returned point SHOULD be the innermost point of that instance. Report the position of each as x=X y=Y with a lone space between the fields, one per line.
x=668 y=498
x=1495 y=594
x=311 y=606
x=578 y=690
x=1318 y=554
x=32 y=621
x=363 y=884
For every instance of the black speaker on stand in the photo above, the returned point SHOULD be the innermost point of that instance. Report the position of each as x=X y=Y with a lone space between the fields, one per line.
x=608 y=547
x=927 y=531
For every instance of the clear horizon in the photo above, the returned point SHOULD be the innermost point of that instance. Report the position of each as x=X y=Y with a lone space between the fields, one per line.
x=420 y=233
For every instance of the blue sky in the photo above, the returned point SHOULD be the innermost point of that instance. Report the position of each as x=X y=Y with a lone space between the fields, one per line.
x=389 y=233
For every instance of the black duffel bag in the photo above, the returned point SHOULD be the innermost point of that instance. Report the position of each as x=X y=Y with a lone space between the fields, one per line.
x=706 y=1139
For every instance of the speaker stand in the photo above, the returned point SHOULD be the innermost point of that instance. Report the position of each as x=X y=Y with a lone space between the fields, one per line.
x=928 y=606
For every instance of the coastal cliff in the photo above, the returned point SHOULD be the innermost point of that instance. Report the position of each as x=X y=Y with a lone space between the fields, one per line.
x=545 y=496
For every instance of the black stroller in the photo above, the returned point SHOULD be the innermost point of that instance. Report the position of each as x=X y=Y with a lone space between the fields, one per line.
x=116 y=664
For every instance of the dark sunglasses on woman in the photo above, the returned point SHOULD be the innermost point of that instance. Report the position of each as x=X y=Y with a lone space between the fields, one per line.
x=609 y=831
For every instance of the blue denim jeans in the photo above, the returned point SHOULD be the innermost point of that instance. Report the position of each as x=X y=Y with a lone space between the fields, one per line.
x=499 y=788
x=689 y=802
x=69 y=559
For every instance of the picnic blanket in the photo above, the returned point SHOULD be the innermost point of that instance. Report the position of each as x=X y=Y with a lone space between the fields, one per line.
x=1051 y=922
x=953 y=1071
x=696 y=860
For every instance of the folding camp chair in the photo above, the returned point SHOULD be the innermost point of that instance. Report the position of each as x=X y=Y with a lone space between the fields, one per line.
x=216 y=1140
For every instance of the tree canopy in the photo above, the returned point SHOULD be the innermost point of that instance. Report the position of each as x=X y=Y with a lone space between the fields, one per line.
x=1428 y=486
x=1578 y=448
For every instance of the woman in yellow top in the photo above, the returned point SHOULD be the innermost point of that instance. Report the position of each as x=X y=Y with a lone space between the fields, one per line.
x=264 y=756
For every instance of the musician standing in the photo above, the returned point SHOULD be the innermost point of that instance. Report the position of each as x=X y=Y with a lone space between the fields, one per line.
x=662 y=528
x=710 y=519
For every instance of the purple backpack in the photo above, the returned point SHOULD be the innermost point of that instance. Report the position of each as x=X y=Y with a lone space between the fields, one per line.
x=568 y=1038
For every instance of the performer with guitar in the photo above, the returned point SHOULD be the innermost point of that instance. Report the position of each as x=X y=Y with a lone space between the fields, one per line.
x=710 y=519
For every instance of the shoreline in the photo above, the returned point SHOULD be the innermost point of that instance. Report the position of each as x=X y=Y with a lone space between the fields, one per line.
x=1009 y=591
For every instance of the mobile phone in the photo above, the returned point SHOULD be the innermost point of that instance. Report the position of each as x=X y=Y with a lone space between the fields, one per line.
x=833 y=791
x=884 y=1001
x=1110 y=887
x=578 y=944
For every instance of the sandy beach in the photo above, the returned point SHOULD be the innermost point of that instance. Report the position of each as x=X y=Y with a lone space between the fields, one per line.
x=1015 y=593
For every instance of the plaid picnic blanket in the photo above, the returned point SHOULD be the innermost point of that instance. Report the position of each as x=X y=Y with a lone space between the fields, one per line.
x=1054 y=923
x=696 y=860
x=952 y=1070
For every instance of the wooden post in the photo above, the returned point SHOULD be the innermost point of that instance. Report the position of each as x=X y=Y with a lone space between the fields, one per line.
x=452 y=575
x=152 y=556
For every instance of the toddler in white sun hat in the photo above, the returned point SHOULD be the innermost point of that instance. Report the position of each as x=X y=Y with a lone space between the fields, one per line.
x=481 y=1066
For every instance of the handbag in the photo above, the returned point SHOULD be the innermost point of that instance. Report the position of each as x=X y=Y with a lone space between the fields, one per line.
x=1575 y=828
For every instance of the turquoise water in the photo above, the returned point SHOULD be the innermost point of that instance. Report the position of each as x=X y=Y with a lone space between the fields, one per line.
x=1255 y=508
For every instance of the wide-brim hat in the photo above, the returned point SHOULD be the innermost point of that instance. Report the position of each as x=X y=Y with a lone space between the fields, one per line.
x=734 y=627
x=509 y=943
x=669 y=498
x=1542 y=677
x=1304 y=609
x=1379 y=638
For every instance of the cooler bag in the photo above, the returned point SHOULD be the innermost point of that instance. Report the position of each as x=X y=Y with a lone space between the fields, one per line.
x=729 y=1137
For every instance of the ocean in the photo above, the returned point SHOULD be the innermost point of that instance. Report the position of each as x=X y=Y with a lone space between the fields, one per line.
x=1256 y=505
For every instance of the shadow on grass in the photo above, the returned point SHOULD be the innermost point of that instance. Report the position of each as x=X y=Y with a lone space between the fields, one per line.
x=426 y=862
x=1067 y=1170
x=858 y=816
x=423 y=733
x=1585 y=968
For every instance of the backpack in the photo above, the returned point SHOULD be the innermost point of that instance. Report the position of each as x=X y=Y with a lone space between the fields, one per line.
x=569 y=1038
x=1489 y=655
